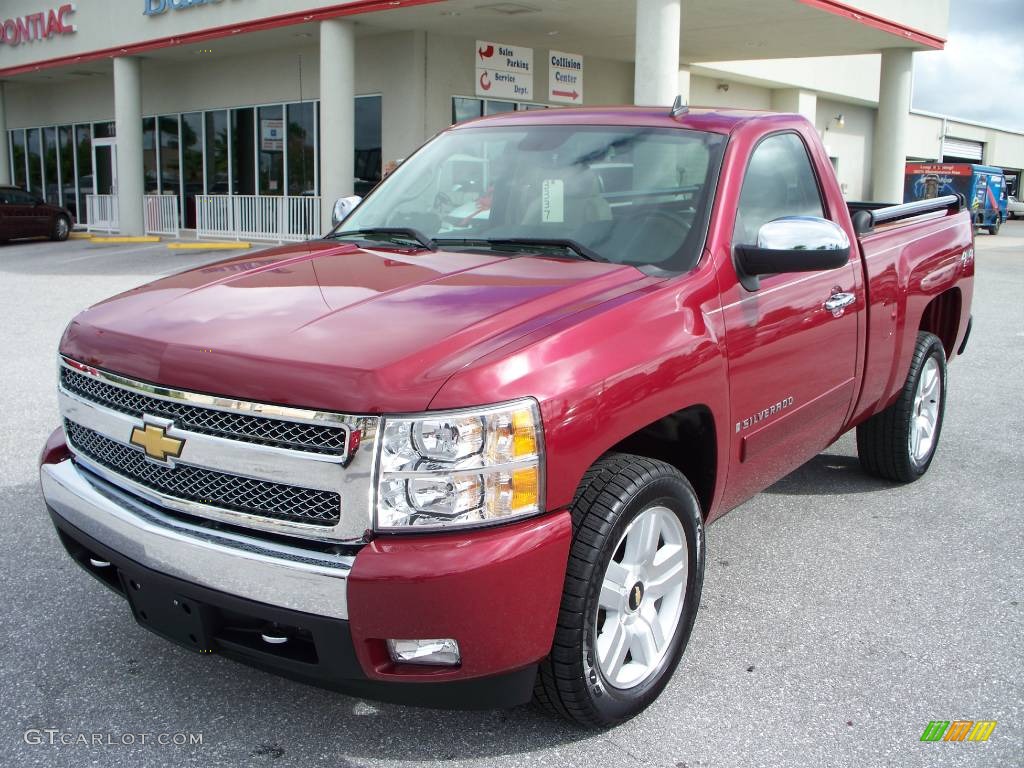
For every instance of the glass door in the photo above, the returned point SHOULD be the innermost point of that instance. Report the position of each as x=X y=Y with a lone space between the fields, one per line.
x=103 y=211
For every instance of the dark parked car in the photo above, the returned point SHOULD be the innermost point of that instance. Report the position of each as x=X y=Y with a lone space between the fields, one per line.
x=22 y=214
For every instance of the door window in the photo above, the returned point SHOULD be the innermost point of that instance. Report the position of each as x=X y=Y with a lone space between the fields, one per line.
x=779 y=182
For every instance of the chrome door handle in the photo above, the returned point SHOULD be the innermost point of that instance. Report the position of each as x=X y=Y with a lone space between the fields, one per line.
x=839 y=301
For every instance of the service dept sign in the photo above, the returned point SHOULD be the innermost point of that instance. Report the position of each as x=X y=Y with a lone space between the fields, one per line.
x=503 y=71
x=156 y=7
x=35 y=27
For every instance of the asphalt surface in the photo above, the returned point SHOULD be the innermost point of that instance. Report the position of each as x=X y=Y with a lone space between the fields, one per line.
x=840 y=613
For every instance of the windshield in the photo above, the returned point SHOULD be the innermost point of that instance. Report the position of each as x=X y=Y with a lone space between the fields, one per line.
x=628 y=195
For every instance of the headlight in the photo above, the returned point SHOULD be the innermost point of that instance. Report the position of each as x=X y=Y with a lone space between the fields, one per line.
x=460 y=468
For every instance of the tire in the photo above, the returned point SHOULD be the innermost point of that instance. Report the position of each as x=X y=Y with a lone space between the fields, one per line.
x=994 y=229
x=574 y=681
x=886 y=442
x=61 y=229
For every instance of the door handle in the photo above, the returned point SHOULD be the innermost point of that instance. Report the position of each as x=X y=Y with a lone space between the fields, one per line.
x=839 y=301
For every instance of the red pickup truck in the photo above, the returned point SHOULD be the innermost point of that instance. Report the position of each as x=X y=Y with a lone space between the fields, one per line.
x=462 y=450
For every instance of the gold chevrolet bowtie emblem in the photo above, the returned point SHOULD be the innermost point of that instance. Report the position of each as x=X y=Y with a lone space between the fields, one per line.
x=156 y=443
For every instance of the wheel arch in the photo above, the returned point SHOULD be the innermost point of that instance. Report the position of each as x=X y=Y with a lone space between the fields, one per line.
x=942 y=317
x=687 y=440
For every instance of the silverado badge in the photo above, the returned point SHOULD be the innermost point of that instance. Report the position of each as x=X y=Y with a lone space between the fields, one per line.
x=154 y=440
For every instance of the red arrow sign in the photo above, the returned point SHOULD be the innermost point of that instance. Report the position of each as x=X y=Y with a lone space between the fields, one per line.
x=486 y=53
x=567 y=94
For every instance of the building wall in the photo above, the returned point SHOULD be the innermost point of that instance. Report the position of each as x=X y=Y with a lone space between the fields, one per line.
x=1002 y=148
x=850 y=144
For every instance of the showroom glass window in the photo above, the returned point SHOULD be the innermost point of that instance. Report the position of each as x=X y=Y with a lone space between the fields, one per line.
x=51 y=185
x=66 y=146
x=35 y=161
x=271 y=156
x=302 y=149
x=150 y=176
x=243 y=151
x=83 y=154
x=217 y=152
x=170 y=174
x=368 y=158
x=18 y=158
x=191 y=164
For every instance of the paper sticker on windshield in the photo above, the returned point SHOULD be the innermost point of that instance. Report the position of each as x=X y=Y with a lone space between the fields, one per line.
x=552 y=203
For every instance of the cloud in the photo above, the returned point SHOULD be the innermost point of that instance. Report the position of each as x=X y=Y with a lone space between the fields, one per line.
x=980 y=74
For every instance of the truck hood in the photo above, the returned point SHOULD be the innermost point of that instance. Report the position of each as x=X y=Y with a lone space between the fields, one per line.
x=332 y=325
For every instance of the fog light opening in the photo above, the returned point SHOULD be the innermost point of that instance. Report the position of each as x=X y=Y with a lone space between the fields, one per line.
x=439 y=652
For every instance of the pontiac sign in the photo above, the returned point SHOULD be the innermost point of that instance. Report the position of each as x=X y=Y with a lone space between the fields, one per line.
x=33 y=27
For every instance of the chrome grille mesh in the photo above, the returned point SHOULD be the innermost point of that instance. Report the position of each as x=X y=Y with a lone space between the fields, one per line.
x=316 y=438
x=240 y=494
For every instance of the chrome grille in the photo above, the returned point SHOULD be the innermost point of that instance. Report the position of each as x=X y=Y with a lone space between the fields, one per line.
x=203 y=486
x=316 y=438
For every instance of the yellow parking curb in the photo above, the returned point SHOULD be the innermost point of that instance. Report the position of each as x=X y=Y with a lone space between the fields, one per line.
x=125 y=239
x=199 y=245
x=80 y=236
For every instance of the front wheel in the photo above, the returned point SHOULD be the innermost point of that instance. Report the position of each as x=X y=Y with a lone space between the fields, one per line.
x=631 y=593
x=899 y=443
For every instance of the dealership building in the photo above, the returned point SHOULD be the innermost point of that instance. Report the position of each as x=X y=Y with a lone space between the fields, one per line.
x=250 y=117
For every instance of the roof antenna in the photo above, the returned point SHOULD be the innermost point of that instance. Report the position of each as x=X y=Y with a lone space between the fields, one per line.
x=679 y=107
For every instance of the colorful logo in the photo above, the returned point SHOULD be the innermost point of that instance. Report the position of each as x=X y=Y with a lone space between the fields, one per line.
x=958 y=730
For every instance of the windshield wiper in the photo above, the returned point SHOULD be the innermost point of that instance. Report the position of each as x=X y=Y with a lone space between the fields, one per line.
x=526 y=242
x=407 y=233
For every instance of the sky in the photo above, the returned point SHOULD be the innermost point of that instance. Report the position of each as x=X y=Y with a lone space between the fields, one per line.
x=980 y=74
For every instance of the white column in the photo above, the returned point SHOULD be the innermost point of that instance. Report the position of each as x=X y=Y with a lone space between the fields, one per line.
x=684 y=84
x=656 y=76
x=5 y=152
x=128 y=128
x=796 y=101
x=337 y=114
x=892 y=125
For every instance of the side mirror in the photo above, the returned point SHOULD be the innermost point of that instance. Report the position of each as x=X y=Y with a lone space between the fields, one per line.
x=792 y=244
x=343 y=206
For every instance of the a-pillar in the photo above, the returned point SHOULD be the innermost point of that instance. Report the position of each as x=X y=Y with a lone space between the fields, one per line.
x=892 y=125
x=656 y=74
x=337 y=114
x=128 y=129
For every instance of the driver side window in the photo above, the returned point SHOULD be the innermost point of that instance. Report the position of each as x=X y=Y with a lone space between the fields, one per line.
x=779 y=182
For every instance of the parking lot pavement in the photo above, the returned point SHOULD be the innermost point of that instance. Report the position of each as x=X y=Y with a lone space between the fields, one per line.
x=840 y=613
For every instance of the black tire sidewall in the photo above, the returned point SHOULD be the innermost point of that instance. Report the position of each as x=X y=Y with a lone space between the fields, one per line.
x=616 y=705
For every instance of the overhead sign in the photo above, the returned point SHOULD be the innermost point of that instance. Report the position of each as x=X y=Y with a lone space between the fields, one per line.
x=271 y=135
x=37 y=26
x=503 y=71
x=565 y=77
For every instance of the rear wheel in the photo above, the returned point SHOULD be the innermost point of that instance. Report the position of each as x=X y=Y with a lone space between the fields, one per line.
x=631 y=594
x=61 y=228
x=994 y=229
x=899 y=443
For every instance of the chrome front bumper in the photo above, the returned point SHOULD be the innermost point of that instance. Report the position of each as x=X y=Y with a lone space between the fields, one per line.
x=277 y=574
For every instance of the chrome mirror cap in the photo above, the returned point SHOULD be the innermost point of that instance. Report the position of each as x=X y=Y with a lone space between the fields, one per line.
x=802 y=233
x=343 y=206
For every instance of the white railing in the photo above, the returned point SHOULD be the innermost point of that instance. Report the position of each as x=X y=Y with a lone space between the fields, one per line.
x=161 y=213
x=101 y=213
x=260 y=217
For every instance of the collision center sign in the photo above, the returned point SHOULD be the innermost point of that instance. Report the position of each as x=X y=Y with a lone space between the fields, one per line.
x=503 y=71
x=565 y=77
x=33 y=27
